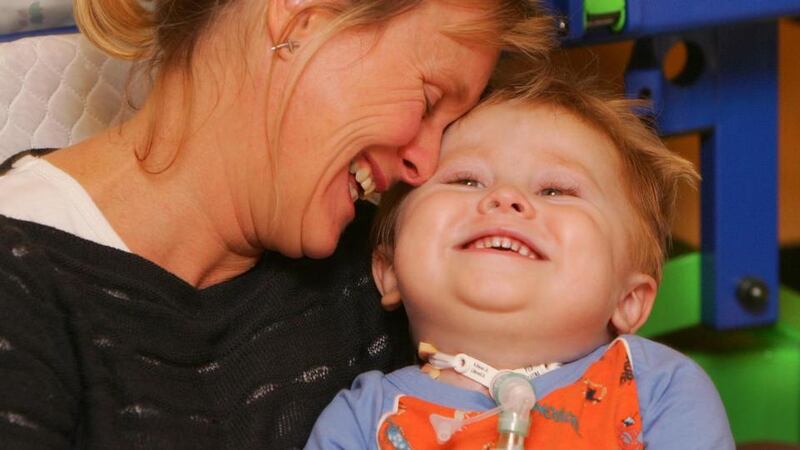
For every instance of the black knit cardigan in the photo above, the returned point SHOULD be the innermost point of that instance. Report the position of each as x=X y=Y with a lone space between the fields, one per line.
x=101 y=349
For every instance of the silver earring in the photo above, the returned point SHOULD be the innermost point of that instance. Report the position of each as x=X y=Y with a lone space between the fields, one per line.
x=289 y=45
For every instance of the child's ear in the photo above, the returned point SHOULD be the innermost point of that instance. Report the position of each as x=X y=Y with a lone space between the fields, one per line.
x=295 y=19
x=385 y=279
x=634 y=306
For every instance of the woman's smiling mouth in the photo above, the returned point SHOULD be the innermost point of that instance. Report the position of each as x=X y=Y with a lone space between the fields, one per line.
x=361 y=182
x=366 y=179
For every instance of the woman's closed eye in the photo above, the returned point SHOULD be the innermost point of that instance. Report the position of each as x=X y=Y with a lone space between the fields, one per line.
x=432 y=96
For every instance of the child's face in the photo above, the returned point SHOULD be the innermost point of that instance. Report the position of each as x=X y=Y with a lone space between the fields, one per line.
x=538 y=180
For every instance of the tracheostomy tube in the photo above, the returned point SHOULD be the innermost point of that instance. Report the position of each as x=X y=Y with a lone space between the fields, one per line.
x=515 y=397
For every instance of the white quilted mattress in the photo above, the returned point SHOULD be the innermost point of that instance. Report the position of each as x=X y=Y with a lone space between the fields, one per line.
x=58 y=90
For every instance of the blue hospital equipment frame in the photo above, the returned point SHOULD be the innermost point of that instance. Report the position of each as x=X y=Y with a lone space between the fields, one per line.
x=728 y=93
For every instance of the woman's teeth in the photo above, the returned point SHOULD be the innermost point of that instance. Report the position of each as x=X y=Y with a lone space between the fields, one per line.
x=353 y=191
x=363 y=175
x=505 y=243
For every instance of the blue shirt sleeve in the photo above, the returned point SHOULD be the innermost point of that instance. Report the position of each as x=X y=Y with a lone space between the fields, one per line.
x=679 y=405
x=349 y=421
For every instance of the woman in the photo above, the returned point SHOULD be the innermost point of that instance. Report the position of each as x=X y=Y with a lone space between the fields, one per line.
x=137 y=309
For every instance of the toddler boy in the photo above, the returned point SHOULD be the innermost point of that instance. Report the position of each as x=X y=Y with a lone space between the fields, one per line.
x=538 y=246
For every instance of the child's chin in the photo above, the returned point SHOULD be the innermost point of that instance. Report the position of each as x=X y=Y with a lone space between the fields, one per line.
x=487 y=302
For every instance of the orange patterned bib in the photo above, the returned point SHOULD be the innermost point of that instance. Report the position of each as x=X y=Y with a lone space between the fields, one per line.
x=600 y=411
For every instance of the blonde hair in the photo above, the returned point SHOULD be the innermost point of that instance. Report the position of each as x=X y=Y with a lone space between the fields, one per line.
x=164 y=35
x=652 y=173
x=127 y=29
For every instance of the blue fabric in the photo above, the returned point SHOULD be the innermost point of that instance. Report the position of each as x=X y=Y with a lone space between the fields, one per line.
x=679 y=405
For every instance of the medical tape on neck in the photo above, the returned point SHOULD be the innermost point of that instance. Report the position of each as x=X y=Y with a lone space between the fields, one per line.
x=479 y=371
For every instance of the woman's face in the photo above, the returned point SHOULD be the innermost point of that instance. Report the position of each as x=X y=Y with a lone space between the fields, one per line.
x=369 y=111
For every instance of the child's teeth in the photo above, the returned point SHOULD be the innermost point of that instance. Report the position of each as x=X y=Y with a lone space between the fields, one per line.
x=506 y=243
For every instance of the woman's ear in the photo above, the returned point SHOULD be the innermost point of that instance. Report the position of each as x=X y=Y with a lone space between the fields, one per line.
x=634 y=307
x=295 y=20
x=385 y=279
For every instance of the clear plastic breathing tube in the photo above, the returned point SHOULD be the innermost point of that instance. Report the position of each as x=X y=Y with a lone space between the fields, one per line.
x=514 y=394
x=515 y=398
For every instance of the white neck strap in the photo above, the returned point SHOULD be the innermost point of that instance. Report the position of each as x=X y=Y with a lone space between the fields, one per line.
x=473 y=369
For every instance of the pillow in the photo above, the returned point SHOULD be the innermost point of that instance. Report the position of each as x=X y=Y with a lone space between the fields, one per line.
x=58 y=90
x=25 y=17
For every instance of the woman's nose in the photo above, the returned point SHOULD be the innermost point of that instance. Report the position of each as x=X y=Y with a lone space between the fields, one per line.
x=420 y=156
x=506 y=199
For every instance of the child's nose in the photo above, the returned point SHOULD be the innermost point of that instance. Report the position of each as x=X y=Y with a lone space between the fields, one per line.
x=507 y=199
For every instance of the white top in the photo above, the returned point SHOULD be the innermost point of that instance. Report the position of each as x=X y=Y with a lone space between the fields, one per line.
x=36 y=191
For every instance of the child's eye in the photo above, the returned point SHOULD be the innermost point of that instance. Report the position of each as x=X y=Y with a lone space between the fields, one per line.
x=464 y=178
x=552 y=191
x=470 y=182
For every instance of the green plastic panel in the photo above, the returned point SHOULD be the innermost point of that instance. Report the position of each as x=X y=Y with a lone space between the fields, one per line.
x=759 y=383
x=677 y=305
x=757 y=371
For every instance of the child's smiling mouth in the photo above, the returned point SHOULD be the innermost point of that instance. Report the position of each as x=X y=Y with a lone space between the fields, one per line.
x=504 y=242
